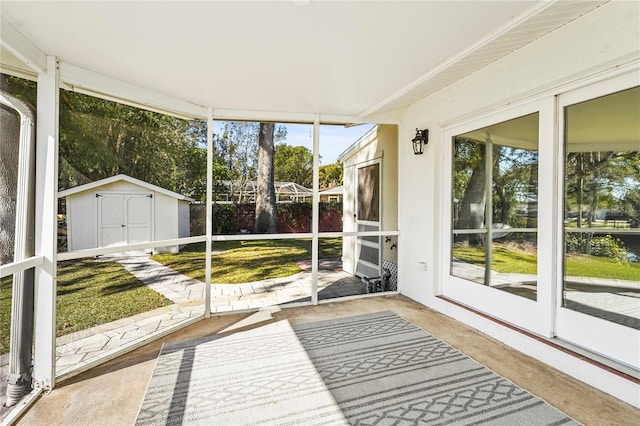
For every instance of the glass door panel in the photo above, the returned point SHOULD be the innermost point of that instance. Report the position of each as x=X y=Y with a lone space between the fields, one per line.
x=601 y=222
x=494 y=219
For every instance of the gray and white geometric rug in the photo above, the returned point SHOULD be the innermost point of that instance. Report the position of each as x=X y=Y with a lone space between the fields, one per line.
x=375 y=369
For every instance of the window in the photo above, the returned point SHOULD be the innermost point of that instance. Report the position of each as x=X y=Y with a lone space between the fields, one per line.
x=602 y=207
x=494 y=206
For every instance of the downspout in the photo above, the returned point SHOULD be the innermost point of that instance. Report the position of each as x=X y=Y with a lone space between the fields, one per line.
x=21 y=337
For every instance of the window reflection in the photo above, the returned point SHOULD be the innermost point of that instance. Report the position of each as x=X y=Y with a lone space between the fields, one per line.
x=602 y=208
x=495 y=198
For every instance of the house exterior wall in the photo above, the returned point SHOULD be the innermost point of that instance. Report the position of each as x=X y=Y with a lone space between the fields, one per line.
x=595 y=43
x=380 y=143
x=330 y=198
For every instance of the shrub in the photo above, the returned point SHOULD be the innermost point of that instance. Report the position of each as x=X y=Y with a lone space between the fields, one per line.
x=610 y=247
x=291 y=217
x=604 y=246
x=224 y=219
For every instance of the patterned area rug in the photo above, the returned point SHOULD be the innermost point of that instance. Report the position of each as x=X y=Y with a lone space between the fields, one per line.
x=375 y=369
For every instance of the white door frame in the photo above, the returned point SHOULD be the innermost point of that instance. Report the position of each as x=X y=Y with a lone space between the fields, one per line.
x=529 y=314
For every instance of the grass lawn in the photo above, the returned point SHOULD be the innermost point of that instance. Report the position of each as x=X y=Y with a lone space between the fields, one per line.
x=577 y=265
x=503 y=260
x=582 y=265
x=247 y=261
x=89 y=293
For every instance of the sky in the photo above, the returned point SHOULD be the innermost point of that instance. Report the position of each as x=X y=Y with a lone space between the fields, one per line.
x=333 y=139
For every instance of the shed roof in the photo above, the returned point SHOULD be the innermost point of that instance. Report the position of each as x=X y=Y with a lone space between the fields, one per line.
x=125 y=178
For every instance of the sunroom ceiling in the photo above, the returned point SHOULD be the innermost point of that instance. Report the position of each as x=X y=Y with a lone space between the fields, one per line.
x=353 y=59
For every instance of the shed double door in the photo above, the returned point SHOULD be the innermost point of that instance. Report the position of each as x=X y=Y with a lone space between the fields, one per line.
x=124 y=218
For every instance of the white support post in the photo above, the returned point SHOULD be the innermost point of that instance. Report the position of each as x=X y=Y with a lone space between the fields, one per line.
x=46 y=225
x=315 y=211
x=209 y=211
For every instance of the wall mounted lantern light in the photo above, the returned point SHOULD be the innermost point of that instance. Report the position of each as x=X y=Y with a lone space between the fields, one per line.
x=419 y=142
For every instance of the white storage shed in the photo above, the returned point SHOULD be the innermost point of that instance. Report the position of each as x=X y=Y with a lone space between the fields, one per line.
x=123 y=210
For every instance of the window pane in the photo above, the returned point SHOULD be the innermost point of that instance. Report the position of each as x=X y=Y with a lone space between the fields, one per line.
x=469 y=186
x=495 y=169
x=469 y=257
x=602 y=208
x=514 y=264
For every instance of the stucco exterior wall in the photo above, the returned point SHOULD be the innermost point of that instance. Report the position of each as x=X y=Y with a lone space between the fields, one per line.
x=601 y=40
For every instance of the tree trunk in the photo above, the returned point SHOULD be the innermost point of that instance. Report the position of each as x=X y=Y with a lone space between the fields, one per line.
x=499 y=189
x=473 y=206
x=266 y=191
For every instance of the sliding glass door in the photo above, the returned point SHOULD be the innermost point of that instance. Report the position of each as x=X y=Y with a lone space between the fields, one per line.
x=543 y=202
x=599 y=297
x=492 y=250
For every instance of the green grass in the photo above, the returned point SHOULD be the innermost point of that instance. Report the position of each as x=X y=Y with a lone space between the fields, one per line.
x=5 y=313
x=580 y=265
x=245 y=261
x=503 y=260
x=88 y=294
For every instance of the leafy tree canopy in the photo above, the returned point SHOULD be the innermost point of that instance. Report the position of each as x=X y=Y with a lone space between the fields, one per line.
x=236 y=147
x=293 y=164
x=331 y=175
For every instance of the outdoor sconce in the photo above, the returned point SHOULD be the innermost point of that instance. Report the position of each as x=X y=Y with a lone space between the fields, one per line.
x=419 y=142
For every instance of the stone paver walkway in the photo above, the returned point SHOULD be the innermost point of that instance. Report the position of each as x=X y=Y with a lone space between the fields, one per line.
x=86 y=347
x=89 y=346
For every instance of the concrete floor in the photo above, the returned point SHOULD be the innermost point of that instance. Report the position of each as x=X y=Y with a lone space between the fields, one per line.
x=111 y=394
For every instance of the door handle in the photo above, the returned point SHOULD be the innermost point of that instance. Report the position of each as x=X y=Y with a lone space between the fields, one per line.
x=124 y=226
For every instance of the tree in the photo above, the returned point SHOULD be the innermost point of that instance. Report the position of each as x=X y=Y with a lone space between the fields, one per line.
x=100 y=138
x=266 y=191
x=236 y=149
x=469 y=188
x=330 y=175
x=591 y=176
x=293 y=164
x=515 y=184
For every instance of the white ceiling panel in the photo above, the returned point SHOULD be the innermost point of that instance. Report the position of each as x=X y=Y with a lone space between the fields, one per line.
x=342 y=58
